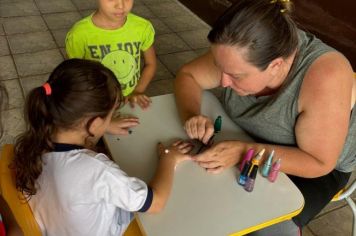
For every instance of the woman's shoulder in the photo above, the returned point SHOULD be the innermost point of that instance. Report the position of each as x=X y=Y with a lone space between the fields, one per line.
x=331 y=73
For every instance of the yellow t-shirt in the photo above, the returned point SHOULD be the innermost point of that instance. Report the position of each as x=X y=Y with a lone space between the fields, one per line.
x=119 y=49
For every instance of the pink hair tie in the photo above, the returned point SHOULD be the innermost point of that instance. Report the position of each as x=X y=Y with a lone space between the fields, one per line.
x=47 y=88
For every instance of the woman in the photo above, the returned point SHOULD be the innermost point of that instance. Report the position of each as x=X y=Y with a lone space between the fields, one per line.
x=286 y=89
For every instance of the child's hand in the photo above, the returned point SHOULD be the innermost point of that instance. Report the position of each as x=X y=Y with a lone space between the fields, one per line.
x=141 y=99
x=122 y=125
x=178 y=151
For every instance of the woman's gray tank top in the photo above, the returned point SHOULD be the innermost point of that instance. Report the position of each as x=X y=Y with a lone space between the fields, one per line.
x=272 y=119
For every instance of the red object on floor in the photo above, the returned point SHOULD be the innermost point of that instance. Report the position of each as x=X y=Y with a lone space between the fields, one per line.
x=2 y=229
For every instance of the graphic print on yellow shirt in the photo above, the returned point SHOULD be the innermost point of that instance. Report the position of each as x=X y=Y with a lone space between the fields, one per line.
x=120 y=49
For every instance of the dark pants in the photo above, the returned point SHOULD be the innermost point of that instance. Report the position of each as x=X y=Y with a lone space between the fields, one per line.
x=317 y=193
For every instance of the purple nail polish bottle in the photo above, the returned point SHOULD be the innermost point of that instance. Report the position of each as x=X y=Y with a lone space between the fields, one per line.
x=250 y=183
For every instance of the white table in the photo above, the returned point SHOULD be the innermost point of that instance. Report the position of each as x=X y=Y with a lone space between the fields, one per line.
x=200 y=203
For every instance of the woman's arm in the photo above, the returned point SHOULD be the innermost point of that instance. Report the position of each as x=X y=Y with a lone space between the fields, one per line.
x=194 y=77
x=321 y=128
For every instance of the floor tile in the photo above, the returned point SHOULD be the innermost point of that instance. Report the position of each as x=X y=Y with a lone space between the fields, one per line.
x=331 y=206
x=25 y=8
x=201 y=51
x=143 y=11
x=31 y=82
x=62 y=20
x=14 y=124
x=160 y=87
x=26 y=24
x=196 y=38
x=335 y=223
x=168 y=9
x=307 y=232
x=160 y=27
x=86 y=4
x=169 y=43
x=162 y=72
x=138 y=2
x=60 y=36
x=64 y=53
x=175 y=60
x=85 y=13
x=31 y=42
x=155 y=2
x=14 y=91
x=7 y=68
x=38 y=62
x=184 y=23
x=2 y=32
x=51 y=6
x=4 y=48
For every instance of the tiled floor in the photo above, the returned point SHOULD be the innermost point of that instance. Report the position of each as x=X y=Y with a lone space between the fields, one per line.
x=32 y=36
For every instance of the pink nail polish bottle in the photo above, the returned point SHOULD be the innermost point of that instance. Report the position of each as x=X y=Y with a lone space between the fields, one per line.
x=273 y=174
x=247 y=158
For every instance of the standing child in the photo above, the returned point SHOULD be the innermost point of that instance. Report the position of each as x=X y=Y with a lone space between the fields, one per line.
x=73 y=190
x=116 y=38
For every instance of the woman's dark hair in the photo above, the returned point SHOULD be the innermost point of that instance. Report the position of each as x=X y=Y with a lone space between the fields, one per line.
x=80 y=90
x=264 y=27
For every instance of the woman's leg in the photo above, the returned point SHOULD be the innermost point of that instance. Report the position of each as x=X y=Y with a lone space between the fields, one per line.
x=317 y=193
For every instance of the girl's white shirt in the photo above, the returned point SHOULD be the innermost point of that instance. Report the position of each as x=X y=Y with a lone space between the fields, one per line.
x=81 y=192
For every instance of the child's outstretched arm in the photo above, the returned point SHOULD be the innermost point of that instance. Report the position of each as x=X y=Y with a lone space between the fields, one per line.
x=138 y=95
x=161 y=183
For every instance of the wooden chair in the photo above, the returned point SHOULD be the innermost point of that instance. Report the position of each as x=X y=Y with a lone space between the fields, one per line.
x=19 y=207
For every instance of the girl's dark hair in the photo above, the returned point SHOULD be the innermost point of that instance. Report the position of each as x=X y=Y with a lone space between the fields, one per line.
x=81 y=89
x=264 y=27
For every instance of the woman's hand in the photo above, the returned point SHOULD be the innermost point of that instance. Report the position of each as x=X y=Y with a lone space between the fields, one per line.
x=177 y=151
x=122 y=125
x=139 y=98
x=199 y=127
x=221 y=156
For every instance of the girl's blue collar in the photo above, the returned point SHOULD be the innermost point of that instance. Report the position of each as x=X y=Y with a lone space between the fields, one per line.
x=64 y=147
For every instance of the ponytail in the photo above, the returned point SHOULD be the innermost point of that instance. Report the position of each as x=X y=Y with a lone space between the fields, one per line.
x=34 y=142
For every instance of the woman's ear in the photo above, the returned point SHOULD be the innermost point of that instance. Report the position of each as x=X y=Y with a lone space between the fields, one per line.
x=275 y=66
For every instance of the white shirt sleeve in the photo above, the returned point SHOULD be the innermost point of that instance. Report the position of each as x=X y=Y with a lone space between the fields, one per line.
x=114 y=187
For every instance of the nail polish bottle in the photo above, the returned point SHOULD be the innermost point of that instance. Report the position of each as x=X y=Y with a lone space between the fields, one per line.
x=250 y=183
x=217 y=124
x=247 y=158
x=256 y=160
x=274 y=171
x=243 y=176
x=267 y=166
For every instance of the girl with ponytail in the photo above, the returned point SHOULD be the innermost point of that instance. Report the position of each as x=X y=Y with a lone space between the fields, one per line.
x=72 y=190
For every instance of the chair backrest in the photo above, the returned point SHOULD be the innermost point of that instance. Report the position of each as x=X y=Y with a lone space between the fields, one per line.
x=19 y=207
